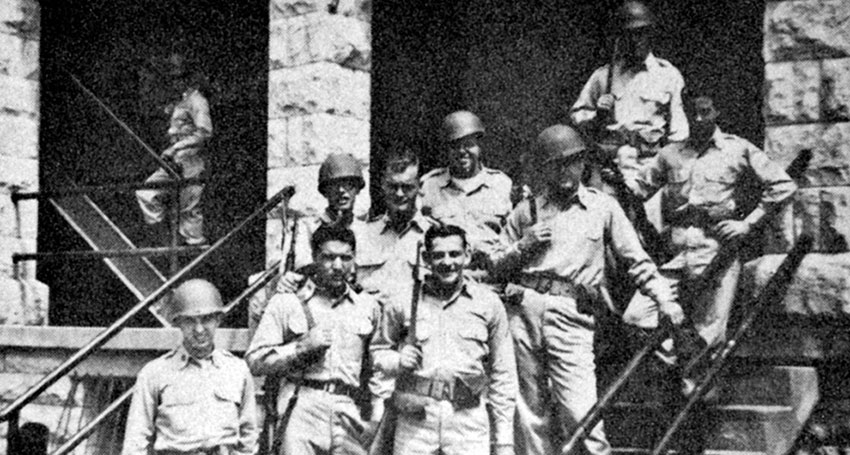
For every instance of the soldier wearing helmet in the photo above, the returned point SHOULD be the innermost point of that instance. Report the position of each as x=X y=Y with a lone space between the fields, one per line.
x=466 y=193
x=554 y=251
x=196 y=398
x=636 y=98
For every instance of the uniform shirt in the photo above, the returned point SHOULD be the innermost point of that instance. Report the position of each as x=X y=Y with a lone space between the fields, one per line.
x=479 y=204
x=182 y=403
x=385 y=258
x=644 y=99
x=191 y=124
x=307 y=225
x=466 y=335
x=580 y=234
x=353 y=318
x=713 y=181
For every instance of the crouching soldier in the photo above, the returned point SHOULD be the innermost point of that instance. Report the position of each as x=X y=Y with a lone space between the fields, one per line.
x=452 y=356
x=194 y=400
x=316 y=340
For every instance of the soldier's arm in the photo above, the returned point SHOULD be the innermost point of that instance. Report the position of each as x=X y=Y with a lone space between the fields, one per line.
x=584 y=109
x=503 y=377
x=678 y=125
x=777 y=186
x=651 y=177
x=140 y=432
x=268 y=352
x=203 y=123
x=381 y=384
x=508 y=256
x=386 y=340
x=248 y=431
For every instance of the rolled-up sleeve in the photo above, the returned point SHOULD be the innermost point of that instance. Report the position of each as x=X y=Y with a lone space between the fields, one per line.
x=777 y=184
x=503 y=387
x=385 y=341
x=584 y=109
x=272 y=350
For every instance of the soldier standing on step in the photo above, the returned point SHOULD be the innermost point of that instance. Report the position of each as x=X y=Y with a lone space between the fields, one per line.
x=196 y=399
x=189 y=131
x=555 y=253
x=316 y=339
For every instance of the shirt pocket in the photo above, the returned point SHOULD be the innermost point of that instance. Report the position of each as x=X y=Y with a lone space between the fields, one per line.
x=472 y=341
x=181 y=407
x=227 y=401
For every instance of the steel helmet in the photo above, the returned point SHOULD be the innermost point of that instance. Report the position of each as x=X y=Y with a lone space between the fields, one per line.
x=340 y=166
x=195 y=297
x=558 y=142
x=634 y=14
x=461 y=124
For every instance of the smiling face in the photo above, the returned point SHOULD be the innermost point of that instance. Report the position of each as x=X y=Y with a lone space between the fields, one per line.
x=198 y=333
x=465 y=156
x=335 y=261
x=447 y=258
x=400 y=192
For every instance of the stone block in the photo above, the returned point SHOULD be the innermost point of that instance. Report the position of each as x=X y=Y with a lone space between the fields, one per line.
x=309 y=139
x=21 y=18
x=307 y=198
x=835 y=88
x=321 y=87
x=274 y=237
x=28 y=219
x=781 y=232
x=11 y=298
x=8 y=216
x=18 y=174
x=830 y=144
x=13 y=385
x=20 y=136
x=38 y=361
x=806 y=30
x=289 y=8
x=821 y=286
x=18 y=96
x=36 y=296
x=319 y=37
x=18 y=57
x=361 y=9
x=792 y=91
x=8 y=246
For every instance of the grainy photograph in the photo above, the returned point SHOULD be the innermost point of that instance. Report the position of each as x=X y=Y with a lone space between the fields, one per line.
x=384 y=227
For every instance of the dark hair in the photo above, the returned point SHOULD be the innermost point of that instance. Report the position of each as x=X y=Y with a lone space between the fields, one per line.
x=399 y=160
x=327 y=233
x=442 y=231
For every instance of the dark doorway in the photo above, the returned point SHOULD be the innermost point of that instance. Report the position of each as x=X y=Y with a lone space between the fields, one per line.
x=116 y=48
x=520 y=66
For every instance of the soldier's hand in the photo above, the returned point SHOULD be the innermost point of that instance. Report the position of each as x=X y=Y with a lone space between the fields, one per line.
x=410 y=357
x=672 y=311
x=729 y=230
x=605 y=102
x=317 y=339
x=290 y=282
x=536 y=235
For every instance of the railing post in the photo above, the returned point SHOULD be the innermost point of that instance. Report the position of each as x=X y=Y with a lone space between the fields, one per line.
x=12 y=432
x=174 y=225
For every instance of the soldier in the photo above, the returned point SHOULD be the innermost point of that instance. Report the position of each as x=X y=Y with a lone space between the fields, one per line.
x=637 y=95
x=455 y=365
x=194 y=400
x=189 y=132
x=317 y=339
x=340 y=181
x=559 y=263
x=388 y=243
x=705 y=181
x=466 y=193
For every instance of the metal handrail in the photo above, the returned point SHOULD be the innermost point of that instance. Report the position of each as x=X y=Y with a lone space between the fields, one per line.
x=89 y=428
x=109 y=188
x=101 y=254
x=774 y=290
x=11 y=411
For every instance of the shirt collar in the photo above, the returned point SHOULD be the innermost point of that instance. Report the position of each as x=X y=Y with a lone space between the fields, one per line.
x=418 y=222
x=183 y=359
x=582 y=197
x=716 y=137
x=308 y=291
x=463 y=291
x=471 y=184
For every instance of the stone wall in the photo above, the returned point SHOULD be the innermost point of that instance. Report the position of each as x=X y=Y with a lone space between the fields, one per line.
x=22 y=299
x=807 y=106
x=319 y=99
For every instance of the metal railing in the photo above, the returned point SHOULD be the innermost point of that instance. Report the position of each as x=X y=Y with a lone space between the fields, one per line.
x=11 y=413
x=84 y=433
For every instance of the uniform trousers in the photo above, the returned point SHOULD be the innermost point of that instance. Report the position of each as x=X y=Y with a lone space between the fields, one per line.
x=323 y=423
x=191 y=217
x=553 y=342
x=444 y=430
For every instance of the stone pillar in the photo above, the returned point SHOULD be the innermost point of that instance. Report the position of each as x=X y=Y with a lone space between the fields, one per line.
x=319 y=100
x=22 y=299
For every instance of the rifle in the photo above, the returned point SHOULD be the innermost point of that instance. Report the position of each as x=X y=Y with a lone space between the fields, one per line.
x=384 y=437
x=271 y=387
x=698 y=286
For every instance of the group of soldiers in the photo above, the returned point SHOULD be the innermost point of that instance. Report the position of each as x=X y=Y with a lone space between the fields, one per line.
x=460 y=322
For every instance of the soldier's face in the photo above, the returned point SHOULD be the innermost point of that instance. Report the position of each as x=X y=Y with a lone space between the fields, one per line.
x=465 y=156
x=401 y=190
x=335 y=262
x=702 y=125
x=447 y=258
x=565 y=175
x=638 y=43
x=198 y=333
x=341 y=194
